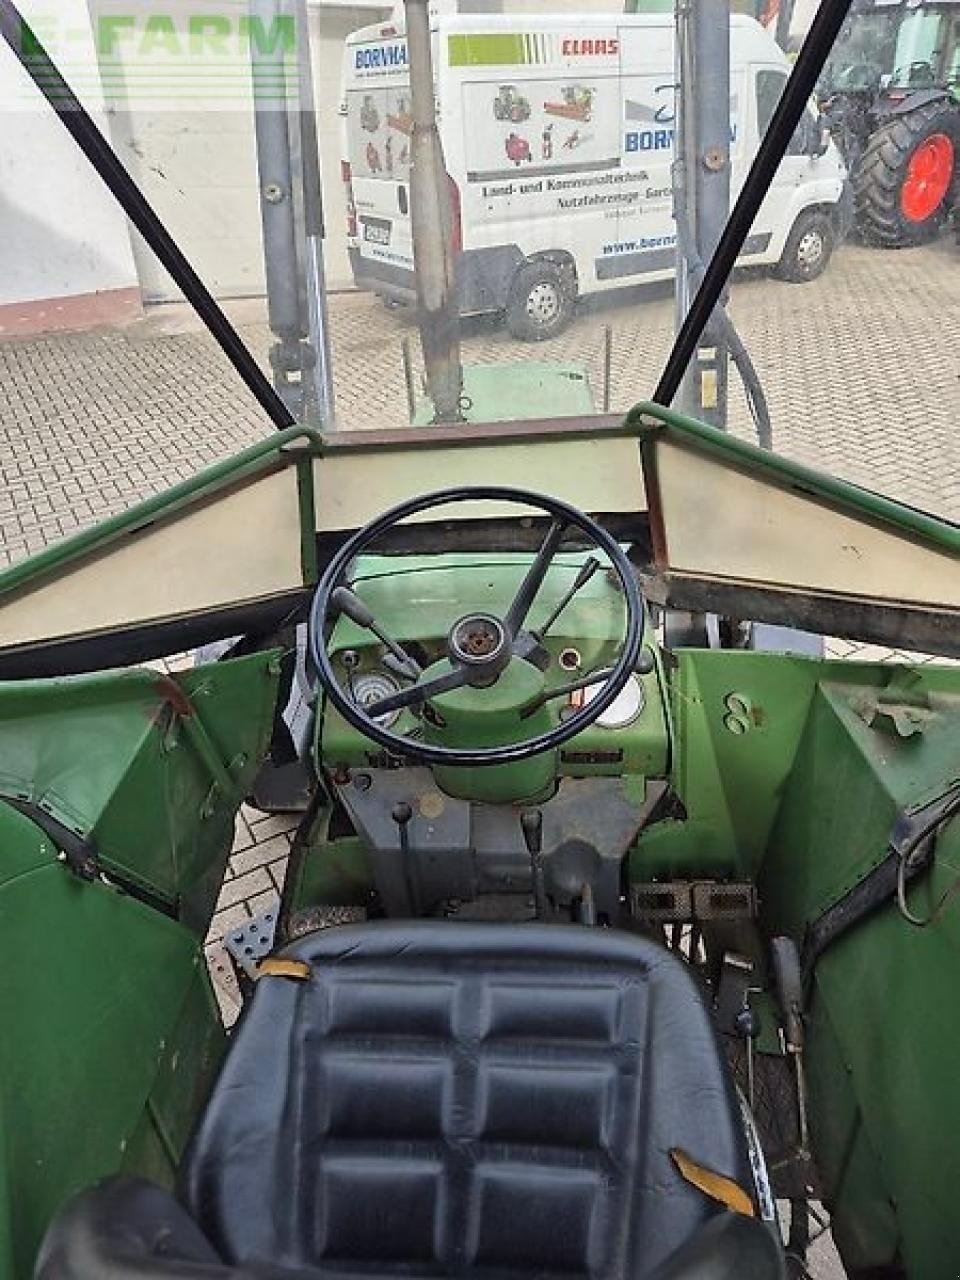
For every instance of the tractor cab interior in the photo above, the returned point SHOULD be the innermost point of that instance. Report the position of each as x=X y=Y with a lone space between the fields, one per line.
x=431 y=1080
x=616 y=912
x=548 y=849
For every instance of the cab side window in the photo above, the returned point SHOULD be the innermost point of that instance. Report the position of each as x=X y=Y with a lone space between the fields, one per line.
x=770 y=86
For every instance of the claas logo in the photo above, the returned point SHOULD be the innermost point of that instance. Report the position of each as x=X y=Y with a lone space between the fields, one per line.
x=579 y=46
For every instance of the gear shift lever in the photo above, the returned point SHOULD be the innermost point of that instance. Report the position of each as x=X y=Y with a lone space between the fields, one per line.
x=531 y=824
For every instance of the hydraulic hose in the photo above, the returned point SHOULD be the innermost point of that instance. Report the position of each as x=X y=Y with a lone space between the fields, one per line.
x=756 y=399
x=823 y=32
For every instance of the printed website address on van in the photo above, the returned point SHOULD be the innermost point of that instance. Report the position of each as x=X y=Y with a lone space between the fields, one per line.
x=637 y=246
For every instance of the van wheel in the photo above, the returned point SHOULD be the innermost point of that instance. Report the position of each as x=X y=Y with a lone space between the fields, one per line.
x=540 y=303
x=809 y=247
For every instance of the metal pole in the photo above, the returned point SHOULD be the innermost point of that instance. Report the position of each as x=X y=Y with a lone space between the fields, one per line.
x=282 y=267
x=683 y=212
x=431 y=222
x=321 y=397
x=703 y=42
x=816 y=47
x=784 y=17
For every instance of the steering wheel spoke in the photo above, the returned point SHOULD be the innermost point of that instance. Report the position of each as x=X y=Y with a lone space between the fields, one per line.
x=517 y=613
x=418 y=693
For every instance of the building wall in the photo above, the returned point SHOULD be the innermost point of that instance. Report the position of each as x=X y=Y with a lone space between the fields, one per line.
x=198 y=167
x=61 y=233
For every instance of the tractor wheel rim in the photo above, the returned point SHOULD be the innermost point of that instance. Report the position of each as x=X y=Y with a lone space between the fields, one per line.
x=928 y=178
x=543 y=302
x=810 y=248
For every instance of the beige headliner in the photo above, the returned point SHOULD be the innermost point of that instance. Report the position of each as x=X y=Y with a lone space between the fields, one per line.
x=723 y=522
x=241 y=545
x=597 y=474
x=244 y=545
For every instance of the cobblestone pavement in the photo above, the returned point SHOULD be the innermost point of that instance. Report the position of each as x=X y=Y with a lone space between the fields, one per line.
x=861 y=368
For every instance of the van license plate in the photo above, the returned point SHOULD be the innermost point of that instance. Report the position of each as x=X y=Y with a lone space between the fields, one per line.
x=377 y=232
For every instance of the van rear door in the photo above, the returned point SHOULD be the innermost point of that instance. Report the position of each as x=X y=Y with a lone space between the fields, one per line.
x=378 y=141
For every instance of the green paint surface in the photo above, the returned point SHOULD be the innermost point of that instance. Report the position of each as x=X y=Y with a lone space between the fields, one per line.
x=479 y=718
x=738 y=718
x=150 y=768
x=506 y=392
x=883 y=1032
x=94 y=985
x=110 y=1031
x=421 y=600
x=491 y=49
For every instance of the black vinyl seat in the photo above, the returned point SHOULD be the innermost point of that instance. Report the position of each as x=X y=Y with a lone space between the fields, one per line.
x=442 y=1099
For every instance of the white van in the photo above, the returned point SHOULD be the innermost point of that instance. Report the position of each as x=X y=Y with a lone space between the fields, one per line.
x=559 y=138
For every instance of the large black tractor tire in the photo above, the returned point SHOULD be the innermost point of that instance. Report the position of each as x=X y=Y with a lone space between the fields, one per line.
x=541 y=303
x=906 y=181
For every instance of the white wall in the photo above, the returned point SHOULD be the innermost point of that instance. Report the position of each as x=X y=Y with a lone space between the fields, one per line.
x=61 y=232
x=198 y=166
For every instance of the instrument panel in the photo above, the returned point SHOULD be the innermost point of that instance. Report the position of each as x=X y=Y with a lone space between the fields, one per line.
x=419 y=607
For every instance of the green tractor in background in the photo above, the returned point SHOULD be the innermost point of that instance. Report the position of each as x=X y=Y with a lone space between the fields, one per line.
x=889 y=91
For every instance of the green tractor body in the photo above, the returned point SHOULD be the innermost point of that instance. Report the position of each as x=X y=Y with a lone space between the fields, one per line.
x=615 y=913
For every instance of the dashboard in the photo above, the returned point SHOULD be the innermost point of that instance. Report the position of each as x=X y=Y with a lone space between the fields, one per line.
x=418 y=606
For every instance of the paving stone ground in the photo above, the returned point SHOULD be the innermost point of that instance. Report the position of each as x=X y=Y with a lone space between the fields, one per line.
x=861 y=369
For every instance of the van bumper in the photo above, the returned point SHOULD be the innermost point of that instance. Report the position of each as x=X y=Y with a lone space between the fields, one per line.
x=484 y=278
x=398 y=284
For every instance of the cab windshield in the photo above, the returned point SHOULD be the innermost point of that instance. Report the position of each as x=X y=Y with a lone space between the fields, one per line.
x=530 y=258
x=864 y=52
x=895 y=47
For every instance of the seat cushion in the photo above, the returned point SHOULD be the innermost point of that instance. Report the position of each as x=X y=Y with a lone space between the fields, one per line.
x=466 y=1098
x=128 y=1229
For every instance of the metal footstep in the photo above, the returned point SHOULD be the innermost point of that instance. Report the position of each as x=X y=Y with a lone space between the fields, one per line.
x=249 y=944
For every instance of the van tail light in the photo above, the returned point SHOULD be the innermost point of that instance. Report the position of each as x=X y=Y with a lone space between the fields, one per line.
x=456 y=216
x=346 y=173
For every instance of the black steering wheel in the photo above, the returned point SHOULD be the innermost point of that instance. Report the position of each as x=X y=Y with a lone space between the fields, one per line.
x=479 y=645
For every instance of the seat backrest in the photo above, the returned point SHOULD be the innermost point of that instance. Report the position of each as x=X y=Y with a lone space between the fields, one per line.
x=470 y=1099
